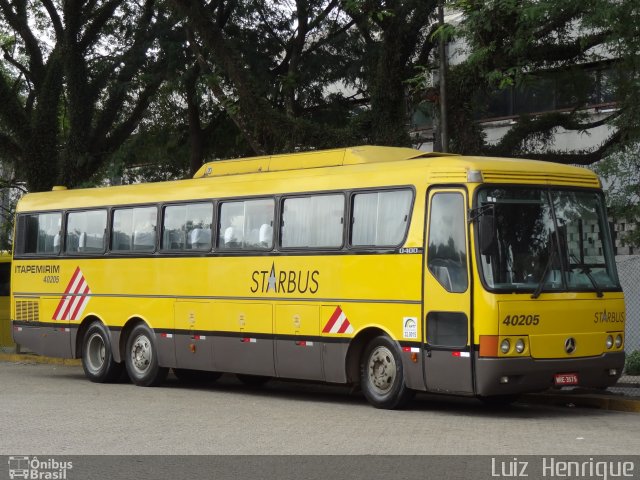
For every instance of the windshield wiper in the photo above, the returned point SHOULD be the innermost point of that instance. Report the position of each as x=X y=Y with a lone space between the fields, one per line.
x=587 y=271
x=536 y=293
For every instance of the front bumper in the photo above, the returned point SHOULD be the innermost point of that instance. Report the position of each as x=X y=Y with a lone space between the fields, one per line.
x=533 y=375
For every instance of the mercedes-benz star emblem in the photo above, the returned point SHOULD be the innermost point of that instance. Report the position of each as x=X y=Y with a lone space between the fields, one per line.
x=570 y=345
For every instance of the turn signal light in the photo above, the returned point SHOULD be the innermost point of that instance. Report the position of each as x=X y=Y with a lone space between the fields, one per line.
x=488 y=345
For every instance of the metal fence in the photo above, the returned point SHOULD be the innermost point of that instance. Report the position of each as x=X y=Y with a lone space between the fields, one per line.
x=629 y=272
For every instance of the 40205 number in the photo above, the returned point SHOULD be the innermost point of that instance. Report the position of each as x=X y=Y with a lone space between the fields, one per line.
x=521 y=320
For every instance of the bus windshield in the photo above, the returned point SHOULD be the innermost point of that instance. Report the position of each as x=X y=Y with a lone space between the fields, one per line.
x=546 y=240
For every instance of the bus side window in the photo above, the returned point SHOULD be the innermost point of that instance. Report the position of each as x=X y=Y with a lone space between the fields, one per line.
x=86 y=231
x=380 y=219
x=40 y=233
x=187 y=227
x=316 y=221
x=247 y=224
x=134 y=229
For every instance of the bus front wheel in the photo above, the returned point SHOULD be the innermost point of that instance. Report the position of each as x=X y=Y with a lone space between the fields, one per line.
x=141 y=358
x=382 y=376
x=97 y=359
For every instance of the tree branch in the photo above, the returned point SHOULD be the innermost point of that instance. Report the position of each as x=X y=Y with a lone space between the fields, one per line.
x=12 y=113
x=100 y=18
x=24 y=70
x=18 y=21
x=55 y=18
x=322 y=15
x=585 y=157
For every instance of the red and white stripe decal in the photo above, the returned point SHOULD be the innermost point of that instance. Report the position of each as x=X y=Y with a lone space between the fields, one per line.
x=411 y=349
x=461 y=354
x=338 y=323
x=248 y=340
x=75 y=298
x=166 y=335
x=304 y=343
x=199 y=337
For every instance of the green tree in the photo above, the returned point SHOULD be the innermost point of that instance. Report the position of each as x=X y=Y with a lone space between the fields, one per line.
x=395 y=36
x=511 y=43
x=268 y=66
x=77 y=78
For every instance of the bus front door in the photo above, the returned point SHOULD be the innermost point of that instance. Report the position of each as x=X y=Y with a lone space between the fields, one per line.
x=447 y=299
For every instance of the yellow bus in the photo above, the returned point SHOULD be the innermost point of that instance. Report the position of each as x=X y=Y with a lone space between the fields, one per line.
x=390 y=268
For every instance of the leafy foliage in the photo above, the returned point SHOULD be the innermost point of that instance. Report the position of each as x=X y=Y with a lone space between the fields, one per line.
x=77 y=79
x=511 y=43
x=632 y=364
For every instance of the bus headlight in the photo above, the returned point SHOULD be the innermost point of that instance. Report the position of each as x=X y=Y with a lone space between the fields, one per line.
x=520 y=346
x=618 y=341
x=505 y=345
x=609 y=341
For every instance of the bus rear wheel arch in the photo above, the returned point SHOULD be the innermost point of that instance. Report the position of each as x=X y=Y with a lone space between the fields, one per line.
x=141 y=357
x=382 y=376
x=97 y=356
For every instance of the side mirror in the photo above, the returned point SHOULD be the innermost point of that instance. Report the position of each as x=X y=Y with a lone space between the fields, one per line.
x=487 y=233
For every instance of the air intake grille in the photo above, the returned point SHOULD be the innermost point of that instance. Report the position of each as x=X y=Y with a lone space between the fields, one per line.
x=583 y=180
x=28 y=310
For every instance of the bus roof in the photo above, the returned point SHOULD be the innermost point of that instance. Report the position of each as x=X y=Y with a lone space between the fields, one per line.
x=345 y=168
x=314 y=159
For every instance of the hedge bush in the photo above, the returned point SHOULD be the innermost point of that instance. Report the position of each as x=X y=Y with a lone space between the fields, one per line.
x=632 y=366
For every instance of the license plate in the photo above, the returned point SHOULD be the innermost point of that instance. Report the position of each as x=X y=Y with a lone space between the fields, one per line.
x=566 y=379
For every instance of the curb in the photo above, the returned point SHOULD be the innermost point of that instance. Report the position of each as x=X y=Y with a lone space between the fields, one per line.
x=588 y=400
x=33 y=358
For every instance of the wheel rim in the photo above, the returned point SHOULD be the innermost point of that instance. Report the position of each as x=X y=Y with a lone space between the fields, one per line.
x=141 y=354
x=381 y=370
x=96 y=353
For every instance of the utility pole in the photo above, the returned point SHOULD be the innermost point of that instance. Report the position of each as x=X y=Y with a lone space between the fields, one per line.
x=444 y=132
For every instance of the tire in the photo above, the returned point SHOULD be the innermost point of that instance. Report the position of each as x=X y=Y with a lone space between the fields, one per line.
x=97 y=357
x=252 y=380
x=382 y=376
x=141 y=358
x=185 y=375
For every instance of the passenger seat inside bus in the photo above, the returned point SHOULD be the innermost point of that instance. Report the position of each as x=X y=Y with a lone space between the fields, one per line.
x=200 y=238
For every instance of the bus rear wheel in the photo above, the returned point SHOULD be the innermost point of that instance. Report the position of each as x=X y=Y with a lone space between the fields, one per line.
x=141 y=358
x=97 y=358
x=382 y=376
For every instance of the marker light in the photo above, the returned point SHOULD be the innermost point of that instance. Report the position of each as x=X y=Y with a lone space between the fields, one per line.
x=618 y=341
x=505 y=345
x=474 y=176
x=520 y=346
x=609 y=341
